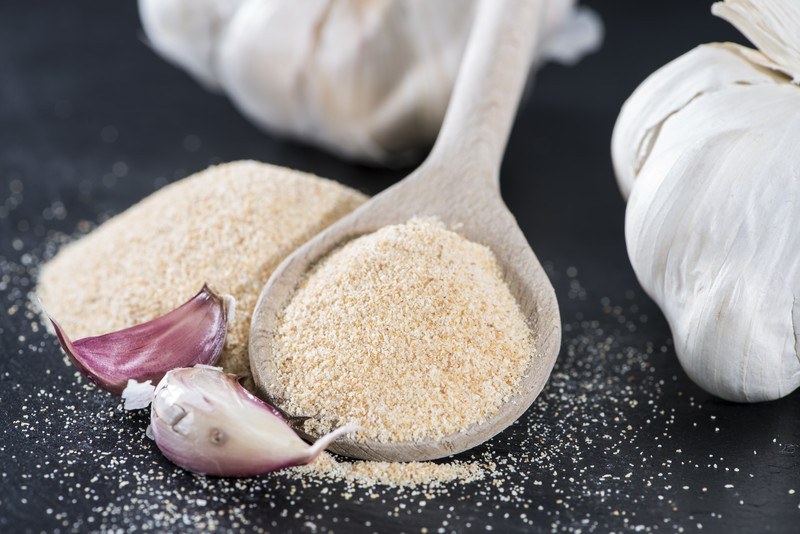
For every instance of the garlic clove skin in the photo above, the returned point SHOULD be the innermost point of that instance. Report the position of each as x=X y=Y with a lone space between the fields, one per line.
x=185 y=32
x=203 y=420
x=138 y=395
x=706 y=69
x=190 y=334
x=707 y=149
x=579 y=33
x=771 y=25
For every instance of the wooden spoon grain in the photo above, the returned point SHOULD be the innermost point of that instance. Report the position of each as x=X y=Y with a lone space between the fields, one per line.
x=459 y=184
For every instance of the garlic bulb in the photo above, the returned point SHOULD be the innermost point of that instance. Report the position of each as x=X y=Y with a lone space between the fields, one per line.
x=365 y=79
x=707 y=151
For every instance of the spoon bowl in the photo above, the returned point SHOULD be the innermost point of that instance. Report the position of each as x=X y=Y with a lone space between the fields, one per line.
x=458 y=184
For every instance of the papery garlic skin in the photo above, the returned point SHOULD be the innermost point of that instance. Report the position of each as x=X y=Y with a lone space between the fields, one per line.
x=771 y=25
x=369 y=80
x=203 y=420
x=138 y=395
x=705 y=70
x=708 y=147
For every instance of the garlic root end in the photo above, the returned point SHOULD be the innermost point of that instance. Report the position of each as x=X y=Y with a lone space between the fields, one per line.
x=322 y=443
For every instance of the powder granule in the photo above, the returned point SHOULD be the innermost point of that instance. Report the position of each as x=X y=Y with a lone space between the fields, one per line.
x=230 y=225
x=393 y=474
x=410 y=332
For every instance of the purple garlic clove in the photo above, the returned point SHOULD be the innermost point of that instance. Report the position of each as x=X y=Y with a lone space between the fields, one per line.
x=191 y=334
x=203 y=420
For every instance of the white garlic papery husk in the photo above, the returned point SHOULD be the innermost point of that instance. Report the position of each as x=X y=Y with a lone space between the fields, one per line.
x=707 y=150
x=367 y=79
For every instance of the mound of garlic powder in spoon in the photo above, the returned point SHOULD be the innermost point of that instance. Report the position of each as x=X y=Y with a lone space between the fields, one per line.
x=410 y=332
x=229 y=226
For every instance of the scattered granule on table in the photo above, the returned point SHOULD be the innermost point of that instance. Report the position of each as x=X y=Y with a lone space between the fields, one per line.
x=230 y=225
x=393 y=474
x=410 y=332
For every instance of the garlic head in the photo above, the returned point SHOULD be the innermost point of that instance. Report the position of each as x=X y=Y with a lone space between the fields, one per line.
x=706 y=152
x=366 y=80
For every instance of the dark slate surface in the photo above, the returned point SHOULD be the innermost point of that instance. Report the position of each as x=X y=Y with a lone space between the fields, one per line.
x=91 y=121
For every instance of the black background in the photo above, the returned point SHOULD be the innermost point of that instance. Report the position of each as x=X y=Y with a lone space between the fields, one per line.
x=91 y=120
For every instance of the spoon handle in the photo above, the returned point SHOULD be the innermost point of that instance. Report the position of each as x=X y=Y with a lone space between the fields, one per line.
x=487 y=90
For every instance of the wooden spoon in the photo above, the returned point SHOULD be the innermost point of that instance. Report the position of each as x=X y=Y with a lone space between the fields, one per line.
x=459 y=184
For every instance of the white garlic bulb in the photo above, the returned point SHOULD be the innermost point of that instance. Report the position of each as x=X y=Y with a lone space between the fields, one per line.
x=708 y=148
x=368 y=79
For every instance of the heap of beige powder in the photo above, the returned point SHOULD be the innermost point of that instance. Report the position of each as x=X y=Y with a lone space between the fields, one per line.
x=229 y=225
x=410 y=332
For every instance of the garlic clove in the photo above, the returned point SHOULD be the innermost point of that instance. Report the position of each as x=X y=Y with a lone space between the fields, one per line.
x=711 y=229
x=704 y=70
x=203 y=420
x=192 y=333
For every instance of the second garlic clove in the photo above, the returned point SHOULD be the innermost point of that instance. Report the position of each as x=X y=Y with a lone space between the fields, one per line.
x=192 y=333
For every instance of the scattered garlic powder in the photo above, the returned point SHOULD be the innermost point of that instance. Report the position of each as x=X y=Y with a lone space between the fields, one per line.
x=394 y=474
x=616 y=392
x=229 y=225
x=410 y=332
